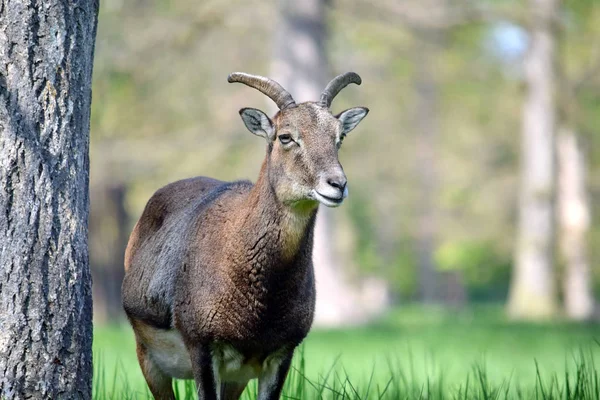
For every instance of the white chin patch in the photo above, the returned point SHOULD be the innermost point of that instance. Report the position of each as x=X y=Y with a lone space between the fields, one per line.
x=328 y=201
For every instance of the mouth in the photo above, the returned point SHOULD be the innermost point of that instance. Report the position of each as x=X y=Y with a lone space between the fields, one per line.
x=328 y=201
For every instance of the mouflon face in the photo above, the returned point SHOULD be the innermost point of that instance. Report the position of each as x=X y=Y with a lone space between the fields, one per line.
x=304 y=141
x=303 y=158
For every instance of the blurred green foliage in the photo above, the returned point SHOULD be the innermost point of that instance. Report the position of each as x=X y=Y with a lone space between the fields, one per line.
x=163 y=111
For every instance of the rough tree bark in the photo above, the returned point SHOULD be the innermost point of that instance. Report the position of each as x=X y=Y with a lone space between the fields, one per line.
x=46 y=53
x=532 y=292
x=301 y=66
x=574 y=223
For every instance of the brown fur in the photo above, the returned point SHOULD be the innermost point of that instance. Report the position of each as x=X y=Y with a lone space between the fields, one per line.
x=158 y=381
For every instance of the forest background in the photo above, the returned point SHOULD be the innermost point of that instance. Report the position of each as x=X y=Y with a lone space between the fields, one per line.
x=437 y=171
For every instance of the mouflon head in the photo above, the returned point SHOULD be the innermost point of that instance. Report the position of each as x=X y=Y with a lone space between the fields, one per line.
x=303 y=140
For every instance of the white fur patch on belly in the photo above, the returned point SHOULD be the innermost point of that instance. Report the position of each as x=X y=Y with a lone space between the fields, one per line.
x=167 y=350
x=232 y=366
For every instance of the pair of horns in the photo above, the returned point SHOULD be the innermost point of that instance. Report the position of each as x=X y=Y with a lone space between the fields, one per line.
x=283 y=98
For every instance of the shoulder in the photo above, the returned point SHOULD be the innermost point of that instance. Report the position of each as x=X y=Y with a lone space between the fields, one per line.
x=193 y=192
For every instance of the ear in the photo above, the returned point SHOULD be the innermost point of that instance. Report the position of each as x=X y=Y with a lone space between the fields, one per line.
x=258 y=123
x=351 y=117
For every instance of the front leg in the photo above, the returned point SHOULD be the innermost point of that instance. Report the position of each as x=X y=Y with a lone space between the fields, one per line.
x=204 y=374
x=271 y=381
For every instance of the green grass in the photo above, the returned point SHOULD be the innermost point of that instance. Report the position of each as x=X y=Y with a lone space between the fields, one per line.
x=411 y=353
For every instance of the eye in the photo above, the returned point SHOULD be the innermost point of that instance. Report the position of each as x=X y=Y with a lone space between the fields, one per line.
x=285 y=139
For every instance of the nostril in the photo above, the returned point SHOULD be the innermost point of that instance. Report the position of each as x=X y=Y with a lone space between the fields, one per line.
x=337 y=183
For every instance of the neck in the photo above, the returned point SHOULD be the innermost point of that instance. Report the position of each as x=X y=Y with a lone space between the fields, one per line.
x=290 y=224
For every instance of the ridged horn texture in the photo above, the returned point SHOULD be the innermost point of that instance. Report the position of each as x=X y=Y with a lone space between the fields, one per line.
x=337 y=84
x=267 y=86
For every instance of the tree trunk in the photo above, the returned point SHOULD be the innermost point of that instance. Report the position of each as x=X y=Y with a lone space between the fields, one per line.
x=301 y=66
x=427 y=127
x=108 y=239
x=46 y=53
x=574 y=223
x=532 y=292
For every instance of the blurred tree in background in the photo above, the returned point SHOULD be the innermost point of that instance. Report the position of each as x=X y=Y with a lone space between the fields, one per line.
x=434 y=171
x=578 y=84
x=533 y=288
x=301 y=65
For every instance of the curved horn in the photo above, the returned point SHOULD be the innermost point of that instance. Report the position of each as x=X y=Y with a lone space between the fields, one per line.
x=267 y=86
x=337 y=84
